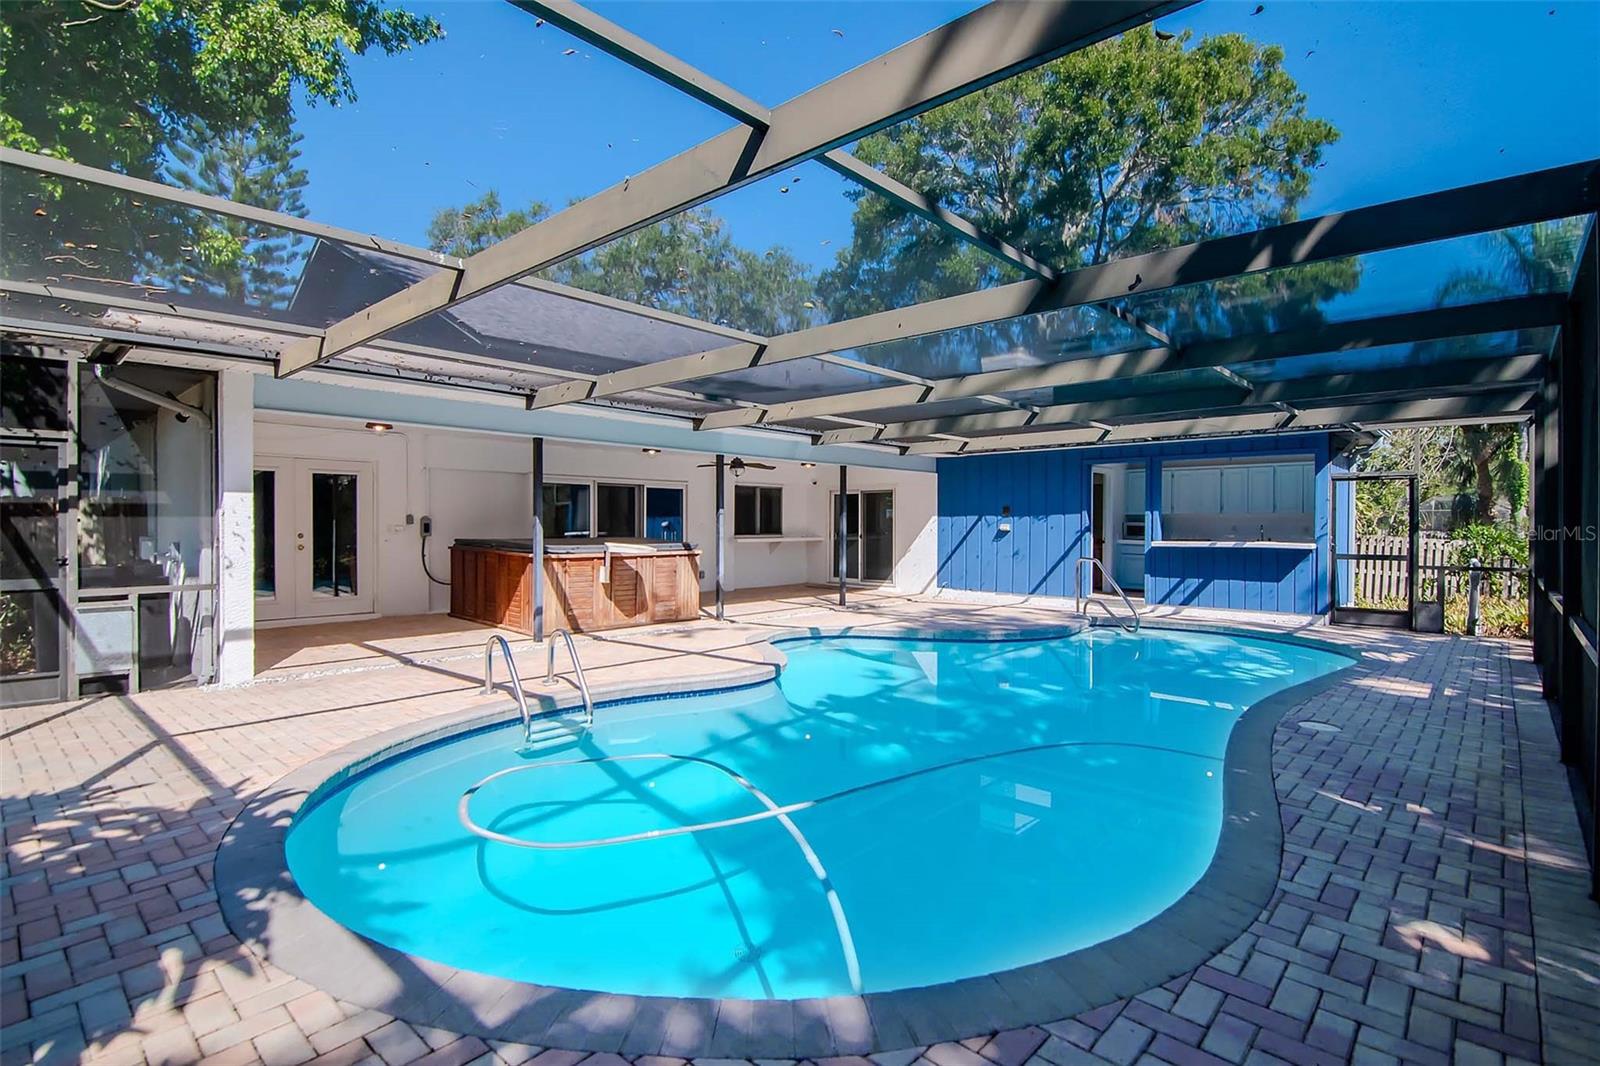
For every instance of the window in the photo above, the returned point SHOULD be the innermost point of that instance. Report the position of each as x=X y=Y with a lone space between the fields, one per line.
x=147 y=501
x=566 y=511
x=616 y=510
x=334 y=540
x=757 y=511
x=663 y=513
x=1238 y=500
x=266 y=500
x=33 y=392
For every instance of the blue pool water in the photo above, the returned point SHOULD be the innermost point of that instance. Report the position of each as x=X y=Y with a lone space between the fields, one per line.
x=987 y=862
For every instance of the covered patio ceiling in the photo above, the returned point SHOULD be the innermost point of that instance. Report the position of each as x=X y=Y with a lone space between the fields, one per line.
x=1141 y=347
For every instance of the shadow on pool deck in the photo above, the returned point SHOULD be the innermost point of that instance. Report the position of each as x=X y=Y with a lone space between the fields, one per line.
x=1430 y=902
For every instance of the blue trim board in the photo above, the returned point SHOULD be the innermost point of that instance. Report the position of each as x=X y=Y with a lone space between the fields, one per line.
x=1048 y=495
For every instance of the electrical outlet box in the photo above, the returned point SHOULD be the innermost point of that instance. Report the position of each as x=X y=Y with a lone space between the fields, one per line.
x=427 y=526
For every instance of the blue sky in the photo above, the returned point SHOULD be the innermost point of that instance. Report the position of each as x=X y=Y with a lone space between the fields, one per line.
x=1427 y=95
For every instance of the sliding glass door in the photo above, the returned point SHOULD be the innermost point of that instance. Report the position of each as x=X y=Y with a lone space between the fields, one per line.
x=869 y=536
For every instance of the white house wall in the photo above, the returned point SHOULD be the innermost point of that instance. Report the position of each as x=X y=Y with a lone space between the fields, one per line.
x=477 y=485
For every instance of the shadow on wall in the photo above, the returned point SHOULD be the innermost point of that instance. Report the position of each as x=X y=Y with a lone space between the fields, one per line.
x=1231 y=579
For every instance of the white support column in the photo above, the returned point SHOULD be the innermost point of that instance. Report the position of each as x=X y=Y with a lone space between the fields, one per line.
x=236 y=593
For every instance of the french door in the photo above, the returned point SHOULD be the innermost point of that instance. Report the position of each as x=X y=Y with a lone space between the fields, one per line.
x=315 y=532
x=869 y=536
x=35 y=539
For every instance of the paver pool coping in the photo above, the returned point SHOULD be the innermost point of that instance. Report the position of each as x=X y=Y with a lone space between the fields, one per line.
x=264 y=907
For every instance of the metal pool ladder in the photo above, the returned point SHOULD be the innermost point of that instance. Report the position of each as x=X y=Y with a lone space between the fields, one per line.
x=577 y=669
x=497 y=640
x=511 y=672
x=1090 y=560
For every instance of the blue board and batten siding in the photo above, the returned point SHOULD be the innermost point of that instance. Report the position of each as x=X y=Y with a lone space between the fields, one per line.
x=1048 y=494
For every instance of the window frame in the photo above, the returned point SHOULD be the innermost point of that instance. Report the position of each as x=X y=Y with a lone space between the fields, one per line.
x=758 y=487
x=639 y=485
x=577 y=483
x=638 y=508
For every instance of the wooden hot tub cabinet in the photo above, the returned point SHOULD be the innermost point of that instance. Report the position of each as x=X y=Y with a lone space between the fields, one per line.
x=489 y=584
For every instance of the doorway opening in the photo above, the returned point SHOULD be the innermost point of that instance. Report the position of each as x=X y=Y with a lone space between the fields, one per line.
x=1117 y=523
x=1374 y=571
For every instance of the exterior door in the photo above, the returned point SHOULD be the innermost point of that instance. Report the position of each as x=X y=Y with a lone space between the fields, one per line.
x=315 y=538
x=35 y=556
x=1373 y=584
x=869 y=536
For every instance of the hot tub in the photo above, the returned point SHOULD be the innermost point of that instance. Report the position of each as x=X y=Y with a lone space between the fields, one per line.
x=590 y=584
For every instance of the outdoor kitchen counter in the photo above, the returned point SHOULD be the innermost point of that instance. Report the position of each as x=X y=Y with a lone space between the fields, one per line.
x=589 y=584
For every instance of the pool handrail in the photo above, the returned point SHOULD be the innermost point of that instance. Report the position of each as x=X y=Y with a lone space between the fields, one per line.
x=1098 y=565
x=511 y=671
x=577 y=670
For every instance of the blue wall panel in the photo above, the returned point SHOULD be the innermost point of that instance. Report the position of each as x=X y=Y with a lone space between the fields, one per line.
x=1048 y=494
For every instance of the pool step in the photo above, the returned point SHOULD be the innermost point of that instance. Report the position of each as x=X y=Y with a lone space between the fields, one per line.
x=553 y=734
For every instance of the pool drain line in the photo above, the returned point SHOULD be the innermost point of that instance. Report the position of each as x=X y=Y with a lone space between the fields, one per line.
x=773 y=810
x=847 y=943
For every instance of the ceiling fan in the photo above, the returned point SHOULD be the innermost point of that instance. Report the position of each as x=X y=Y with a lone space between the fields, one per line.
x=739 y=466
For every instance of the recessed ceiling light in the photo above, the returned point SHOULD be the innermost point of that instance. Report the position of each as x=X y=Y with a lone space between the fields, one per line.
x=380 y=427
x=808 y=466
x=651 y=451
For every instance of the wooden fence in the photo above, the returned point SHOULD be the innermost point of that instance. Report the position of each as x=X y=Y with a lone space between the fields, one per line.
x=1377 y=580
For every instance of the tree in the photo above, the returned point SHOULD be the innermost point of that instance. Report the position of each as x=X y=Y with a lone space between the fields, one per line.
x=1140 y=142
x=121 y=85
x=1513 y=262
x=242 y=261
x=113 y=83
x=470 y=229
x=1482 y=462
x=687 y=264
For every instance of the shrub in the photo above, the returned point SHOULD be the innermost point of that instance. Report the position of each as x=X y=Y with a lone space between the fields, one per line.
x=1489 y=544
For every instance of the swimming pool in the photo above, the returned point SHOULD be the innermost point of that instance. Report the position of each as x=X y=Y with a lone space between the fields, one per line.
x=986 y=804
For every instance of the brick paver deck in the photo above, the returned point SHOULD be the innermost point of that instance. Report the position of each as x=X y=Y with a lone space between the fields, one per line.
x=1431 y=902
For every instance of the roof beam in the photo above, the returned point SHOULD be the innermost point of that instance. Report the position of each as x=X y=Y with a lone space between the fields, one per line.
x=1459 y=409
x=1514 y=313
x=1505 y=406
x=1556 y=193
x=637 y=52
x=969 y=53
x=919 y=204
x=1420 y=382
x=642 y=55
x=107 y=179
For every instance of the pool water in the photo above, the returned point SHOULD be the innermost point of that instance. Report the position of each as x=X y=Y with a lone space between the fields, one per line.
x=1074 y=791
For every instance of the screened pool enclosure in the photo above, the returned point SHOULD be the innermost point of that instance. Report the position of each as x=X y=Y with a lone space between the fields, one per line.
x=1407 y=308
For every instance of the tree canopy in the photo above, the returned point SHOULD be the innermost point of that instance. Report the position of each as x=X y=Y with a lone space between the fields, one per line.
x=1486 y=464
x=114 y=83
x=466 y=230
x=243 y=261
x=686 y=264
x=1143 y=141
x=196 y=92
x=1140 y=142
